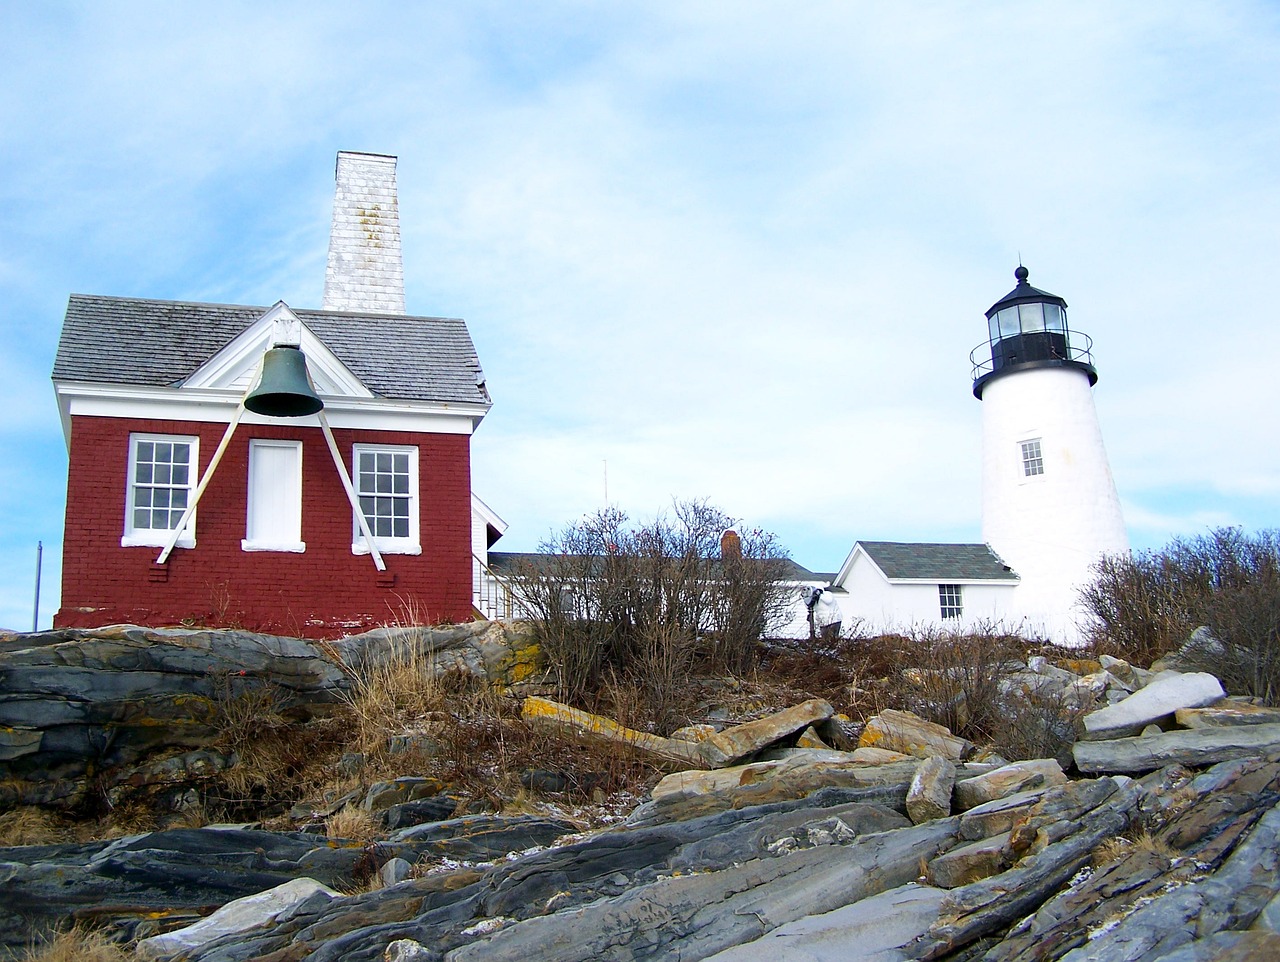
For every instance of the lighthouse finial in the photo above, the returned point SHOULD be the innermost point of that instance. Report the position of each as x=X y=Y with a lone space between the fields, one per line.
x=1021 y=273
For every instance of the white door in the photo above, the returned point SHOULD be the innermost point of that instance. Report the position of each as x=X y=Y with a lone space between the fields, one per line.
x=274 y=520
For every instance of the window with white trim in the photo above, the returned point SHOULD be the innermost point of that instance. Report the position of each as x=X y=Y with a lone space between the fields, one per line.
x=951 y=601
x=162 y=482
x=273 y=515
x=386 y=483
x=1032 y=458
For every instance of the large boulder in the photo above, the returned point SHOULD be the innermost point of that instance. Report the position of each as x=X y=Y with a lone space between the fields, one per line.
x=1156 y=701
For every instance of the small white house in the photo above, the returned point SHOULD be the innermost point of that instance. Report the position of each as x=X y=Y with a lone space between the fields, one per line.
x=892 y=586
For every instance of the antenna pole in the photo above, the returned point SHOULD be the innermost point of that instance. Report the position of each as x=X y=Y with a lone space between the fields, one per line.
x=35 y=608
x=606 y=482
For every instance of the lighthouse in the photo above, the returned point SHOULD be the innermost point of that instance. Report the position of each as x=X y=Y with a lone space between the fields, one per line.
x=1049 y=504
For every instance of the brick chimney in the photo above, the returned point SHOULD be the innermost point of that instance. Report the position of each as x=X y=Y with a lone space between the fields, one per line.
x=365 y=270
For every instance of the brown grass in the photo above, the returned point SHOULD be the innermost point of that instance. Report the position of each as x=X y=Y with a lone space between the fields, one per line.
x=354 y=823
x=78 y=945
x=32 y=826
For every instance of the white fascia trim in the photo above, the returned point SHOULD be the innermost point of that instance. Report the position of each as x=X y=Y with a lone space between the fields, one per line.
x=294 y=547
x=216 y=406
x=235 y=366
x=488 y=515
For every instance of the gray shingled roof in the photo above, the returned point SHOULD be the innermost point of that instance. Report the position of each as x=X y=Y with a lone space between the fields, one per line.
x=938 y=562
x=125 y=340
x=509 y=563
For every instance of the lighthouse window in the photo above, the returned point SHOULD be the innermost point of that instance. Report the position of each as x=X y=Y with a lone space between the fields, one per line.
x=1032 y=316
x=1032 y=459
x=1055 y=318
x=1008 y=319
x=951 y=601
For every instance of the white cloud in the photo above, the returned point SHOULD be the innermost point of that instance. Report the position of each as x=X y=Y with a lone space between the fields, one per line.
x=738 y=250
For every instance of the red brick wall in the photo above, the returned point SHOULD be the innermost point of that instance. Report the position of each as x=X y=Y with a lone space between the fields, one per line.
x=323 y=592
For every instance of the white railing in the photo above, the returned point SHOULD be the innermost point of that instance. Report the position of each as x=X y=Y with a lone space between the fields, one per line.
x=490 y=594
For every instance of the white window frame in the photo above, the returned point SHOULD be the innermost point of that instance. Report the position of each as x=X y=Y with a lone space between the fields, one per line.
x=388 y=544
x=1025 y=462
x=294 y=545
x=951 y=602
x=158 y=537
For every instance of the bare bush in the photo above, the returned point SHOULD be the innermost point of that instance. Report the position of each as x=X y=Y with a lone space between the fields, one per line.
x=602 y=593
x=1227 y=581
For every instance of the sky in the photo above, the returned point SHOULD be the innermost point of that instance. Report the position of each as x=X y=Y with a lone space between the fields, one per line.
x=727 y=250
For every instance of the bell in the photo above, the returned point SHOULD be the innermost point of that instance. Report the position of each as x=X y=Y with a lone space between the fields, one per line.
x=284 y=390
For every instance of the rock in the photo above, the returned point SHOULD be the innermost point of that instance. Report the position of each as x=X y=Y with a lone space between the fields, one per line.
x=483 y=837
x=434 y=809
x=1205 y=746
x=235 y=916
x=394 y=871
x=879 y=756
x=694 y=733
x=809 y=739
x=694 y=916
x=698 y=782
x=407 y=950
x=669 y=752
x=1160 y=699
x=1120 y=669
x=1017 y=777
x=879 y=926
x=741 y=741
x=383 y=795
x=1227 y=713
x=907 y=732
x=929 y=795
x=970 y=863
x=998 y=815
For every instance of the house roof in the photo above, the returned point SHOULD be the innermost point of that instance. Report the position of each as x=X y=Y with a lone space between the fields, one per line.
x=938 y=562
x=512 y=562
x=122 y=340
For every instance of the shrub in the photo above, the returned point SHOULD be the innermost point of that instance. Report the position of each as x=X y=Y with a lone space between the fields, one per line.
x=603 y=594
x=1227 y=581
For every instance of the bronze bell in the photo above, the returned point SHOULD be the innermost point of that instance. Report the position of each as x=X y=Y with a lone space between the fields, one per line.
x=284 y=390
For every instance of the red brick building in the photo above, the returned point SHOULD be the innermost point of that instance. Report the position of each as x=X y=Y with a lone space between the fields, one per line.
x=147 y=390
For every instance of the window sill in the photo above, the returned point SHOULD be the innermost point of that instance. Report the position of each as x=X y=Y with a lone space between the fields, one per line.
x=293 y=547
x=387 y=547
x=155 y=539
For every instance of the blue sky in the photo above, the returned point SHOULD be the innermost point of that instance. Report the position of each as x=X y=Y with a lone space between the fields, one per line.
x=735 y=250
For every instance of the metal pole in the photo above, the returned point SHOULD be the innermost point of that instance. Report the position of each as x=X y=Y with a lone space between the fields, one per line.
x=204 y=483
x=35 y=608
x=351 y=493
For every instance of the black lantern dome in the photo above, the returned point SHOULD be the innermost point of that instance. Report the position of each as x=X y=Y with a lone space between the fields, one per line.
x=1028 y=329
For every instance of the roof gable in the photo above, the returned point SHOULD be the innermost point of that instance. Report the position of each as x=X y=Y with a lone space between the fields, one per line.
x=149 y=343
x=235 y=367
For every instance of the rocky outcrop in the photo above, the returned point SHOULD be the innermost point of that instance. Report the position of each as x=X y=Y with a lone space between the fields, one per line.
x=766 y=842
x=88 y=711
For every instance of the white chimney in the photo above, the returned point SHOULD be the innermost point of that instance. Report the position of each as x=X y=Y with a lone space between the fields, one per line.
x=365 y=270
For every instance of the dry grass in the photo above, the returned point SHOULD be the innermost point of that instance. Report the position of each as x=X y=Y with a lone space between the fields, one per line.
x=32 y=826
x=1120 y=847
x=389 y=698
x=353 y=823
x=78 y=945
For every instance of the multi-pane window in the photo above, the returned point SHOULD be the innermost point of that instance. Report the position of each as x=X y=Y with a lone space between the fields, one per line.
x=387 y=486
x=951 y=601
x=1032 y=459
x=162 y=478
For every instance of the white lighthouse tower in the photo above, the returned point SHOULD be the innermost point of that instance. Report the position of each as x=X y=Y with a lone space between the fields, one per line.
x=1049 y=504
